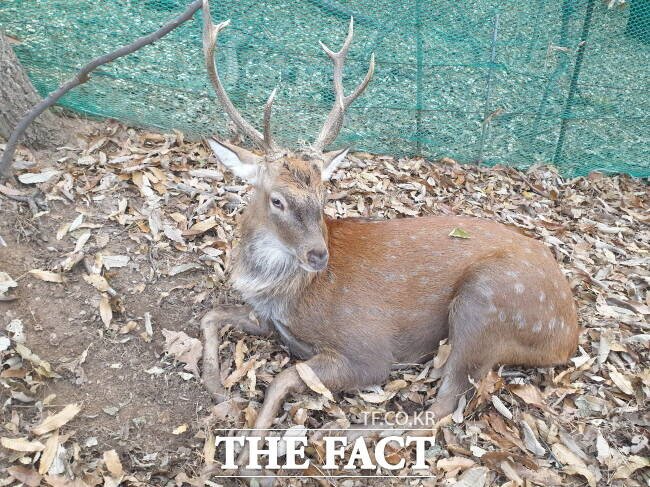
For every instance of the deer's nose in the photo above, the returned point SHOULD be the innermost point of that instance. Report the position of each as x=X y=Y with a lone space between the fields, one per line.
x=317 y=258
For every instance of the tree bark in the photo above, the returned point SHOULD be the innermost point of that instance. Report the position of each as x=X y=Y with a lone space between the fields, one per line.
x=17 y=97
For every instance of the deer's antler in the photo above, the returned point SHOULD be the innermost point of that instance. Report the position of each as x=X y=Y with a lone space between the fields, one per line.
x=210 y=34
x=334 y=120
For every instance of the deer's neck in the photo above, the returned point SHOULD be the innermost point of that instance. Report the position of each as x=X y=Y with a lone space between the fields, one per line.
x=267 y=275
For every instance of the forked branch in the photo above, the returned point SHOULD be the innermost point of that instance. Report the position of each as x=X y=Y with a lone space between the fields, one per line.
x=81 y=77
x=334 y=120
x=210 y=34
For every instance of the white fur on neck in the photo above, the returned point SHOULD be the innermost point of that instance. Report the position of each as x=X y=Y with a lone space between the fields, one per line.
x=267 y=275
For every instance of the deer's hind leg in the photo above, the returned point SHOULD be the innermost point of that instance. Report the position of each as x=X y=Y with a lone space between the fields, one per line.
x=239 y=317
x=506 y=312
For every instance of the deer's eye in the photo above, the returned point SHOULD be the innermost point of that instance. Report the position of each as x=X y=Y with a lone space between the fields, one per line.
x=277 y=203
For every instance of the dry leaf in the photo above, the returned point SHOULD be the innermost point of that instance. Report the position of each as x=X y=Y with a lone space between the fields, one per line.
x=57 y=420
x=34 y=178
x=310 y=378
x=499 y=406
x=474 y=477
x=105 y=310
x=236 y=376
x=184 y=349
x=454 y=463
x=21 y=444
x=47 y=276
x=51 y=448
x=442 y=355
x=97 y=281
x=632 y=464
x=25 y=475
x=622 y=382
x=113 y=464
x=573 y=463
x=458 y=233
x=209 y=447
x=529 y=393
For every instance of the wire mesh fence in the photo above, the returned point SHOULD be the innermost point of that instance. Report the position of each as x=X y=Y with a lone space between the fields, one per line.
x=496 y=82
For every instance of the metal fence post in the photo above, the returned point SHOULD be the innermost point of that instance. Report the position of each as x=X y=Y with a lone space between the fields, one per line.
x=558 y=157
x=418 y=81
x=488 y=89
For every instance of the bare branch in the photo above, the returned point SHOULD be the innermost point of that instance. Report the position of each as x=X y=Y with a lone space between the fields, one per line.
x=81 y=77
x=210 y=35
x=334 y=120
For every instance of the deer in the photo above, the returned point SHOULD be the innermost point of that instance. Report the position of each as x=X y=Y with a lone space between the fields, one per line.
x=352 y=298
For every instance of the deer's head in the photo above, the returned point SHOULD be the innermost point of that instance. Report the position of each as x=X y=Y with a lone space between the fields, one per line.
x=289 y=193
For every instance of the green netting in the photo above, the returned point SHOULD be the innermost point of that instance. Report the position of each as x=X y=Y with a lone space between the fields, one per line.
x=508 y=82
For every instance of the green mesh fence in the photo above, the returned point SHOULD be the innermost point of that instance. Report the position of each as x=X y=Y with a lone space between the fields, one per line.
x=499 y=82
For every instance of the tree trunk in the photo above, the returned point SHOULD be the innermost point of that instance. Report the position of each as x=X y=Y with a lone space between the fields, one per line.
x=17 y=96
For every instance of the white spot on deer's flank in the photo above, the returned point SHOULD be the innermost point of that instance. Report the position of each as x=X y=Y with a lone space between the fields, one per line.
x=551 y=323
x=537 y=327
x=502 y=316
x=519 y=288
x=519 y=319
x=512 y=274
x=528 y=250
x=542 y=297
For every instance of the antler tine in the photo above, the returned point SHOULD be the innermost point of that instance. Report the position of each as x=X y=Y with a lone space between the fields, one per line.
x=210 y=34
x=267 y=117
x=334 y=120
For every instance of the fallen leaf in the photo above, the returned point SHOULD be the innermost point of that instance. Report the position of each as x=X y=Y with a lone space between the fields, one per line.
x=474 y=477
x=39 y=177
x=113 y=464
x=454 y=463
x=97 y=281
x=21 y=444
x=57 y=420
x=240 y=372
x=529 y=393
x=47 y=276
x=458 y=233
x=310 y=378
x=105 y=310
x=25 y=475
x=180 y=429
x=6 y=282
x=622 y=382
x=184 y=349
x=632 y=464
x=51 y=447
x=573 y=463
x=499 y=406
x=114 y=261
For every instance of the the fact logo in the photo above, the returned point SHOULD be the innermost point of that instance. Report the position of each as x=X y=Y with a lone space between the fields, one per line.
x=335 y=452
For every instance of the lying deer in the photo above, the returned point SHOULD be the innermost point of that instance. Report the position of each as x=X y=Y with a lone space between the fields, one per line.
x=353 y=297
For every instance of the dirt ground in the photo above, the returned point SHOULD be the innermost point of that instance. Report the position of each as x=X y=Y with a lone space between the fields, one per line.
x=150 y=238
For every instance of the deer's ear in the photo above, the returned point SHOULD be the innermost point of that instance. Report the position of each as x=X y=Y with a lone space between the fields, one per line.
x=243 y=163
x=332 y=160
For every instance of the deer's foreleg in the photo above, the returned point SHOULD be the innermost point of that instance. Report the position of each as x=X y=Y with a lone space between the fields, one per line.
x=239 y=317
x=334 y=370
